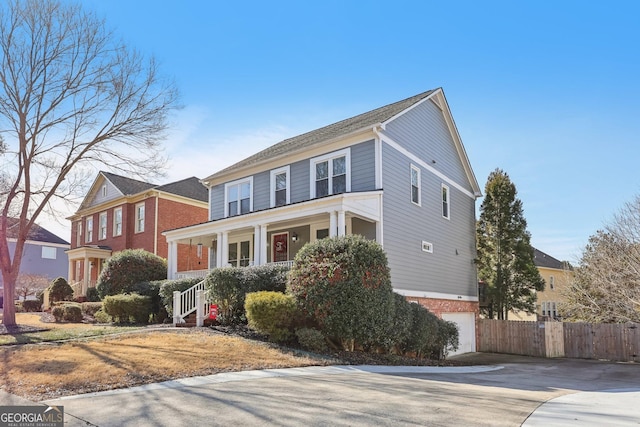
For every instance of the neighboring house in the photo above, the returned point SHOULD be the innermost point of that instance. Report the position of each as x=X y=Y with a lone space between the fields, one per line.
x=44 y=252
x=398 y=174
x=556 y=275
x=122 y=213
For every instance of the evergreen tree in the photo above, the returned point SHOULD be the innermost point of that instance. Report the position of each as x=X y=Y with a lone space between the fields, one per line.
x=505 y=255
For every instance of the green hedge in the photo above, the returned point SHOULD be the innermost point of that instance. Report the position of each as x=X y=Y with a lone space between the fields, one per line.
x=90 y=308
x=127 y=268
x=128 y=308
x=272 y=313
x=167 y=287
x=228 y=286
x=60 y=290
x=70 y=312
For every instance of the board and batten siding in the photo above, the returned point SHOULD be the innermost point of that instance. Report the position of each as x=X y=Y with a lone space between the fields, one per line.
x=450 y=269
x=299 y=181
x=423 y=131
x=216 y=199
x=261 y=190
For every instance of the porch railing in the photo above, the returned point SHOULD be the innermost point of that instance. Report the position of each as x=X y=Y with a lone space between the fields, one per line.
x=186 y=302
x=192 y=274
x=283 y=263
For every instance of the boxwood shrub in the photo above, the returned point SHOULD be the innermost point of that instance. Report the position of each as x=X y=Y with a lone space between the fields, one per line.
x=70 y=312
x=127 y=308
x=272 y=313
x=127 y=268
x=60 y=290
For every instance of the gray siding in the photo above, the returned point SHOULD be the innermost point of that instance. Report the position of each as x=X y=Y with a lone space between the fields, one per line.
x=112 y=193
x=299 y=181
x=363 y=166
x=424 y=132
x=216 y=198
x=450 y=268
x=33 y=263
x=261 y=188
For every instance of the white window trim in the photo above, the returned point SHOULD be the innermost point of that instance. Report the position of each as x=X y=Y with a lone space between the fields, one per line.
x=104 y=190
x=106 y=223
x=417 y=169
x=272 y=192
x=346 y=153
x=446 y=187
x=79 y=233
x=237 y=182
x=115 y=224
x=137 y=218
x=49 y=250
x=427 y=247
x=89 y=233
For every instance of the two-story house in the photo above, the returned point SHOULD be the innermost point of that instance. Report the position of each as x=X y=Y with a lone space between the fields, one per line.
x=398 y=174
x=44 y=252
x=557 y=275
x=122 y=213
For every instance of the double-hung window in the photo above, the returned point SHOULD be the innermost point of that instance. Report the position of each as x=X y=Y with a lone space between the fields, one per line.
x=238 y=197
x=102 y=230
x=139 y=217
x=79 y=233
x=415 y=185
x=445 y=202
x=331 y=174
x=280 y=183
x=117 y=222
x=89 y=234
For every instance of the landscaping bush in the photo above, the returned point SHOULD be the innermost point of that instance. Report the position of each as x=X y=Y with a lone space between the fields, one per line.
x=102 y=317
x=344 y=284
x=72 y=312
x=60 y=290
x=271 y=313
x=228 y=286
x=397 y=337
x=92 y=295
x=58 y=312
x=127 y=268
x=448 y=339
x=311 y=339
x=32 y=305
x=18 y=306
x=91 y=308
x=127 y=308
x=167 y=287
x=152 y=290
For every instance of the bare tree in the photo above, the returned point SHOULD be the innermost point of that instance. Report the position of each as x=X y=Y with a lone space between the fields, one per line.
x=606 y=284
x=71 y=97
x=30 y=284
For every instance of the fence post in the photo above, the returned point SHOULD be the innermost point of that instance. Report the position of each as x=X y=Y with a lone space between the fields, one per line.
x=176 y=308
x=199 y=308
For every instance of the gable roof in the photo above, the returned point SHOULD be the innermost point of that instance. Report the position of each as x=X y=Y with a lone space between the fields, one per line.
x=36 y=234
x=341 y=128
x=127 y=186
x=540 y=259
x=189 y=187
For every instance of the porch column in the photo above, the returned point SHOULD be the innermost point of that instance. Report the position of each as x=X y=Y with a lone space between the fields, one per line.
x=342 y=228
x=333 y=224
x=86 y=277
x=218 y=250
x=71 y=271
x=257 y=242
x=264 y=243
x=225 y=249
x=172 y=260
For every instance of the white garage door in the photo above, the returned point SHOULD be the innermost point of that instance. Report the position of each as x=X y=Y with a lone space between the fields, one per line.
x=467 y=331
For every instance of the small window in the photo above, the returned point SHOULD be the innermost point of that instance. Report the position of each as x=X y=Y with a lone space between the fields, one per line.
x=102 y=231
x=239 y=197
x=552 y=282
x=79 y=233
x=415 y=185
x=280 y=194
x=140 y=218
x=104 y=191
x=445 y=201
x=117 y=222
x=89 y=236
x=330 y=174
x=427 y=247
x=48 y=252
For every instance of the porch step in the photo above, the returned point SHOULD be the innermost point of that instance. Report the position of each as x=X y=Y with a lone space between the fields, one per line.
x=190 y=322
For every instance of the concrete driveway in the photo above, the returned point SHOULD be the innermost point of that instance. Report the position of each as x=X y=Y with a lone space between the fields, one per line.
x=507 y=391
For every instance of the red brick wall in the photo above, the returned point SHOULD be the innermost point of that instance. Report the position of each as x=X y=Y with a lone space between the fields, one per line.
x=143 y=240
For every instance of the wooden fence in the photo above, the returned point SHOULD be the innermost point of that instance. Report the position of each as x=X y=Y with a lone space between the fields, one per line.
x=618 y=342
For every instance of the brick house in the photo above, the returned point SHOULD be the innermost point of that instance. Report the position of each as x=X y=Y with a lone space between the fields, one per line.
x=122 y=213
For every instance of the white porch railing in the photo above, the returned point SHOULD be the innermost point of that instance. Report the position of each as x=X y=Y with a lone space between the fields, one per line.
x=283 y=263
x=185 y=303
x=192 y=274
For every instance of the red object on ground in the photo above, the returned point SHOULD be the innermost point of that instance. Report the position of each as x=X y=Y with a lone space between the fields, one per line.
x=213 y=311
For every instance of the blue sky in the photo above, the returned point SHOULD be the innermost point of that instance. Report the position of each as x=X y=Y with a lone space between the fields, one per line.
x=547 y=91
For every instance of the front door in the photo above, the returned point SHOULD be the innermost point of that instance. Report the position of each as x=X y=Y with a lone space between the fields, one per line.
x=280 y=247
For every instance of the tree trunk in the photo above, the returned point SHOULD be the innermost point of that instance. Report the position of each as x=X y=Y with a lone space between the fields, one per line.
x=9 y=306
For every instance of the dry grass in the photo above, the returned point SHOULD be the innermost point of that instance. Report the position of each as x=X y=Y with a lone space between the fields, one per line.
x=42 y=372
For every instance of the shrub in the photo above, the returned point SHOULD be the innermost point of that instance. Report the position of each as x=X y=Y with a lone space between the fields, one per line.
x=58 y=312
x=102 y=317
x=228 y=287
x=126 y=268
x=32 y=305
x=127 y=308
x=91 y=308
x=397 y=337
x=59 y=290
x=448 y=339
x=167 y=287
x=344 y=284
x=72 y=312
x=271 y=313
x=92 y=295
x=152 y=290
x=311 y=339
x=19 y=307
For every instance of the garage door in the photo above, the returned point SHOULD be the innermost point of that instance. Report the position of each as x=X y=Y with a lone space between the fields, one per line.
x=467 y=331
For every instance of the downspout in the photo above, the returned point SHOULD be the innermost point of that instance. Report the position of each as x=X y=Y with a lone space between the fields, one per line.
x=378 y=178
x=155 y=228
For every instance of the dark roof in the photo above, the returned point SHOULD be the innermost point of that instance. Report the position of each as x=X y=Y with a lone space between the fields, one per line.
x=540 y=259
x=189 y=187
x=37 y=233
x=127 y=186
x=335 y=130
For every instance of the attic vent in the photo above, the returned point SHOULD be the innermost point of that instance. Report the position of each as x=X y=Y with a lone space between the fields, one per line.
x=427 y=247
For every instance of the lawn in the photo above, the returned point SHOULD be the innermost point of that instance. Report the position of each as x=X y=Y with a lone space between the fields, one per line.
x=116 y=359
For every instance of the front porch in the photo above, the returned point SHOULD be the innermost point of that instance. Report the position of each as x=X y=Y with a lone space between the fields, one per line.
x=276 y=235
x=85 y=266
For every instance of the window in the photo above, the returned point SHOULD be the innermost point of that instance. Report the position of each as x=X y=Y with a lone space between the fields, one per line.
x=240 y=258
x=104 y=191
x=280 y=194
x=331 y=174
x=117 y=222
x=79 y=233
x=140 y=218
x=427 y=247
x=552 y=282
x=48 y=252
x=549 y=309
x=415 y=185
x=102 y=230
x=238 y=197
x=89 y=230
x=445 y=201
